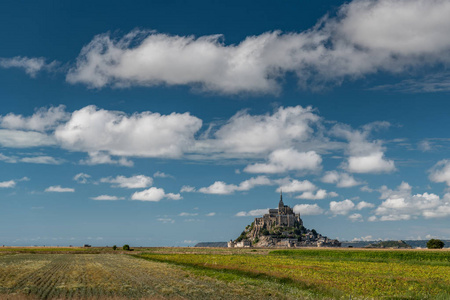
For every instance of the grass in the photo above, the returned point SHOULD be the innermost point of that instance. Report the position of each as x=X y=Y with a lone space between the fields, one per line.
x=221 y=273
x=335 y=273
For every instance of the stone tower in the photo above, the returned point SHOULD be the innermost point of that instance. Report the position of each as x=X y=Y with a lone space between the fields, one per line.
x=281 y=204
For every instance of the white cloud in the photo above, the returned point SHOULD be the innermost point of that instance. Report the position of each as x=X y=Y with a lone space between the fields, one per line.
x=185 y=214
x=31 y=65
x=361 y=205
x=133 y=182
x=42 y=120
x=8 y=159
x=372 y=163
x=24 y=139
x=292 y=186
x=154 y=194
x=211 y=214
x=284 y=160
x=256 y=134
x=342 y=207
x=47 y=160
x=166 y=220
x=107 y=198
x=400 y=204
x=222 y=188
x=356 y=218
x=7 y=184
x=187 y=189
x=364 y=238
x=253 y=213
x=143 y=134
x=440 y=172
x=318 y=195
x=219 y=188
x=103 y=158
x=82 y=178
x=162 y=175
x=308 y=209
x=173 y=196
x=364 y=156
x=342 y=180
x=365 y=37
x=59 y=189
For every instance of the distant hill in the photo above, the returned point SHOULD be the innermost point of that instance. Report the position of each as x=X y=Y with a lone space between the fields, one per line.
x=212 y=244
x=412 y=243
x=390 y=244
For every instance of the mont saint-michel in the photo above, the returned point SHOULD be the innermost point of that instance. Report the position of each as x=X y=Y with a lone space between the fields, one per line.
x=281 y=227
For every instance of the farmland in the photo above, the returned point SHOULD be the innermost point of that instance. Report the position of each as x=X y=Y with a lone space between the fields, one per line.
x=221 y=273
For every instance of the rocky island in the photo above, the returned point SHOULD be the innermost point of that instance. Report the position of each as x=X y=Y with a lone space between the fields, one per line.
x=281 y=228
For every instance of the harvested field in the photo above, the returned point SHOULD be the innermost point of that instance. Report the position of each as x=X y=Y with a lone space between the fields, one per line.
x=97 y=276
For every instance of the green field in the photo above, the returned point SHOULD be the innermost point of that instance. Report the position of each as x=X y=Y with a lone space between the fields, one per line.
x=221 y=273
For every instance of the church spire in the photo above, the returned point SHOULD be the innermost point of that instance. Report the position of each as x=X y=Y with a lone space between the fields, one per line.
x=281 y=204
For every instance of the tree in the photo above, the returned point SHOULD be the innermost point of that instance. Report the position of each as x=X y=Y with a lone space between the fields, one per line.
x=114 y=247
x=435 y=244
x=126 y=247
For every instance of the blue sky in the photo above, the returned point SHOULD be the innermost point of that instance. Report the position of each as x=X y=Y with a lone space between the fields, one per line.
x=173 y=122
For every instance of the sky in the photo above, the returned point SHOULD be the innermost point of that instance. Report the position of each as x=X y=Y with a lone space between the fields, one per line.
x=167 y=123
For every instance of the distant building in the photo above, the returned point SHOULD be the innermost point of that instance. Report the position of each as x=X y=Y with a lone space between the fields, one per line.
x=282 y=228
x=281 y=216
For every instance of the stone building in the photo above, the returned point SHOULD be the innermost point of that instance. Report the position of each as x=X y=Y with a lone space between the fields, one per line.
x=281 y=216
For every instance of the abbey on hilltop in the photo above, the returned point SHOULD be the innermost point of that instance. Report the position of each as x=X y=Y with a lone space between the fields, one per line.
x=281 y=227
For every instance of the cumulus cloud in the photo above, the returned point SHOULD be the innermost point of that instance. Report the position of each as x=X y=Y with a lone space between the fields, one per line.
x=154 y=194
x=103 y=158
x=356 y=217
x=341 y=207
x=31 y=66
x=82 y=178
x=46 y=160
x=363 y=204
x=364 y=156
x=342 y=180
x=365 y=37
x=42 y=120
x=283 y=160
x=187 y=189
x=293 y=186
x=7 y=184
x=253 y=213
x=133 y=182
x=211 y=214
x=308 y=209
x=318 y=195
x=401 y=204
x=440 y=172
x=256 y=134
x=107 y=198
x=24 y=139
x=59 y=189
x=162 y=175
x=143 y=134
x=222 y=188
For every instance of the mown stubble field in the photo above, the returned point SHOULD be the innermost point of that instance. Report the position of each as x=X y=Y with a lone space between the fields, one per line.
x=205 y=273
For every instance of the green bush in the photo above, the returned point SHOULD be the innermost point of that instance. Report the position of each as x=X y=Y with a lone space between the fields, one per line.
x=114 y=247
x=435 y=244
x=126 y=247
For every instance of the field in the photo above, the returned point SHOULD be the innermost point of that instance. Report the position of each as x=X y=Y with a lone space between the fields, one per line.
x=221 y=273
